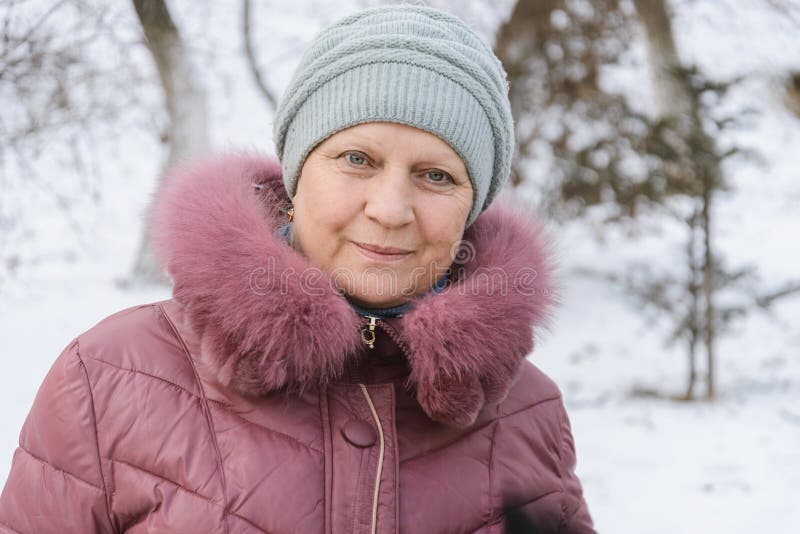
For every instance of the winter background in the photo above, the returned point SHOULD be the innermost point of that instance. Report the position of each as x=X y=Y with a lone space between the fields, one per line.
x=649 y=465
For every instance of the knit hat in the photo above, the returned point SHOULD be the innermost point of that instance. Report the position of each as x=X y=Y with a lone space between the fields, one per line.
x=407 y=64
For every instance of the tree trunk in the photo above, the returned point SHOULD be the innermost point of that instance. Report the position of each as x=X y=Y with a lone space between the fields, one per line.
x=516 y=47
x=694 y=318
x=708 y=287
x=185 y=100
x=672 y=95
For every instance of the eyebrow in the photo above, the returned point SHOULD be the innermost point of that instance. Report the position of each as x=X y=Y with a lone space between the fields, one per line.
x=429 y=159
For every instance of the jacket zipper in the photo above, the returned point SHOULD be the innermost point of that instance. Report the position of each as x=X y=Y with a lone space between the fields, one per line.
x=380 y=459
x=368 y=336
x=368 y=332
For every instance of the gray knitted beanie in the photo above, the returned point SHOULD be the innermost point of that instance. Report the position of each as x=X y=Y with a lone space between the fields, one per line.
x=406 y=64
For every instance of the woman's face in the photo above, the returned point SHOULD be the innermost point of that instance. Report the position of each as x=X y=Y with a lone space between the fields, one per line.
x=382 y=207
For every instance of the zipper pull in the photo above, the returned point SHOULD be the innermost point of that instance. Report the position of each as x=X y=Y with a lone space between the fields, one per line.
x=368 y=332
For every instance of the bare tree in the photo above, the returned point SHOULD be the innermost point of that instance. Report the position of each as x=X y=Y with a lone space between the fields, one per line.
x=56 y=99
x=185 y=99
x=684 y=119
x=678 y=103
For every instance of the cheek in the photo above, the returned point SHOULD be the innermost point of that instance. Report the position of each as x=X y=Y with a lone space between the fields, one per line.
x=446 y=246
x=325 y=215
x=323 y=209
x=443 y=228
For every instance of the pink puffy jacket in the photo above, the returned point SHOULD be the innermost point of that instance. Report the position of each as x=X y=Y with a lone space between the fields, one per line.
x=258 y=400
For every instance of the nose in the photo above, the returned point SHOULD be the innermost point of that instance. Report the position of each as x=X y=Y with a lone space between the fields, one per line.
x=390 y=198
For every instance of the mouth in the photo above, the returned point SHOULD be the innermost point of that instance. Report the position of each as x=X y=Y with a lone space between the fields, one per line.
x=387 y=254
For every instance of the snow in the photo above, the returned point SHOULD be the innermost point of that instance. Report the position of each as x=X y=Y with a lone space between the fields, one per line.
x=649 y=465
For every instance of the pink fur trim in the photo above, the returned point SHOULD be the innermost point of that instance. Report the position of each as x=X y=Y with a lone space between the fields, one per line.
x=474 y=335
x=215 y=234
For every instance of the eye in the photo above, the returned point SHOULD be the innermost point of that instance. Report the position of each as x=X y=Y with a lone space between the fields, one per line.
x=356 y=158
x=439 y=177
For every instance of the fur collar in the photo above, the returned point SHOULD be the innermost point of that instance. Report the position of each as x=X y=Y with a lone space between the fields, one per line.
x=215 y=233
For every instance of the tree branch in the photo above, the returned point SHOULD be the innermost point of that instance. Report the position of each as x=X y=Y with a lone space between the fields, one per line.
x=251 y=58
x=766 y=300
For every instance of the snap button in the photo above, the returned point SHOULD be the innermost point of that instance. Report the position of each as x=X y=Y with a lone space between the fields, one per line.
x=359 y=433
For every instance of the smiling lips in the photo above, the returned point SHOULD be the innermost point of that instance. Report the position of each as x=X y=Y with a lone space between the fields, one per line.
x=386 y=254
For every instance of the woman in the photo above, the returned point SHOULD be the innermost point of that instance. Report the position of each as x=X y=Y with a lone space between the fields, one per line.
x=352 y=360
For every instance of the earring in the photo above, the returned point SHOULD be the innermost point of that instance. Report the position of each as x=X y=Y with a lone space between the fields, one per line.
x=290 y=213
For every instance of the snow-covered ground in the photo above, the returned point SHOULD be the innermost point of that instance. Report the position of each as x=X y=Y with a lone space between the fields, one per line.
x=649 y=466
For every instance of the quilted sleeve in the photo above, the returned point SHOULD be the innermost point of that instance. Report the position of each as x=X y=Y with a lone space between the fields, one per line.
x=56 y=484
x=575 y=514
